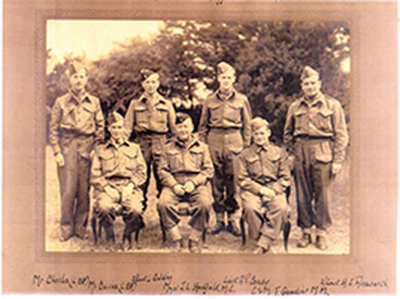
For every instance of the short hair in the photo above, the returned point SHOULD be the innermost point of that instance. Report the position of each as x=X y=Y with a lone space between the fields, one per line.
x=257 y=123
x=181 y=117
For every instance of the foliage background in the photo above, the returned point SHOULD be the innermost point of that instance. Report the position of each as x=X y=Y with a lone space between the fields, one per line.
x=268 y=58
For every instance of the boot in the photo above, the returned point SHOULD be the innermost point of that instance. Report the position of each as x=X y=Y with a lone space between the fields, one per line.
x=234 y=229
x=217 y=228
x=194 y=246
x=304 y=241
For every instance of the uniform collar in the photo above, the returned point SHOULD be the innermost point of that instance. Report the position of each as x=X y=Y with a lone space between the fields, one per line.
x=193 y=141
x=319 y=100
x=83 y=96
x=111 y=143
x=221 y=96
x=258 y=149
x=157 y=98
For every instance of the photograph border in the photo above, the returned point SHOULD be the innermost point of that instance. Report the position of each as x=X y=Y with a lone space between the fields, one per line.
x=41 y=19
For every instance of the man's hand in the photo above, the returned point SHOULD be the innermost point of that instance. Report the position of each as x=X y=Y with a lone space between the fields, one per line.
x=189 y=187
x=127 y=192
x=112 y=192
x=60 y=160
x=267 y=192
x=266 y=198
x=336 y=167
x=179 y=190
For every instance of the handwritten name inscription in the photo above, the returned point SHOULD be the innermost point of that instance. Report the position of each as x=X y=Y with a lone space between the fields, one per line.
x=165 y=283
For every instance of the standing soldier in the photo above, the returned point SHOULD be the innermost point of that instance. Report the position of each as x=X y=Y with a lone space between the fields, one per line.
x=263 y=176
x=225 y=125
x=76 y=124
x=152 y=117
x=316 y=134
x=185 y=171
x=118 y=171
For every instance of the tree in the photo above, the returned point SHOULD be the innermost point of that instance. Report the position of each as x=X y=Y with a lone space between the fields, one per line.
x=268 y=58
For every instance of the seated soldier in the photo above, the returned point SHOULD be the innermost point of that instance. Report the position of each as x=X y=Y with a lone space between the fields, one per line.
x=118 y=170
x=185 y=169
x=263 y=175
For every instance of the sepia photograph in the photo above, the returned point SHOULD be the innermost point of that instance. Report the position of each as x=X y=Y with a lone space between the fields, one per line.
x=200 y=147
x=194 y=97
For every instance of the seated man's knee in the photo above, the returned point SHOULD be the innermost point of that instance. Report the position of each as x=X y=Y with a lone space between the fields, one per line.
x=165 y=199
x=281 y=205
x=103 y=206
x=204 y=197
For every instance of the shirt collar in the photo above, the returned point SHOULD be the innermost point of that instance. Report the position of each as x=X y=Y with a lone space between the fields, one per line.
x=260 y=148
x=111 y=143
x=193 y=141
x=156 y=98
x=319 y=100
x=222 y=96
x=83 y=96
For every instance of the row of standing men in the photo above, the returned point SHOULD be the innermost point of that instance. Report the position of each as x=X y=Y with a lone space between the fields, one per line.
x=247 y=180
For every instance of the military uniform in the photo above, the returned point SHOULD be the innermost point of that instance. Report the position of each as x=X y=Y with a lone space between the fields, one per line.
x=263 y=166
x=151 y=122
x=316 y=134
x=76 y=124
x=225 y=127
x=117 y=166
x=180 y=164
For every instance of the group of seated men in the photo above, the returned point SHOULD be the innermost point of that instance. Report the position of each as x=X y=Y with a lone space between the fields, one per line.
x=185 y=170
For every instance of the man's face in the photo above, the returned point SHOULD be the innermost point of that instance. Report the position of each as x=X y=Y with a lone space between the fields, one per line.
x=78 y=80
x=185 y=129
x=311 y=86
x=115 y=130
x=226 y=80
x=261 y=136
x=151 y=84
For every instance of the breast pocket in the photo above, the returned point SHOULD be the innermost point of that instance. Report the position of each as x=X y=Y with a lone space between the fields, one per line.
x=254 y=166
x=215 y=113
x=130 y=160
x=271 y=168
x=161 y=114
x=175 y=160
x=141 y=115
x=233 y=113
x=323 y=121
x=107 y=163
x=301 y=122
x=88 y=114
x=196 y=158
x=67 y=109
x=67 y=119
